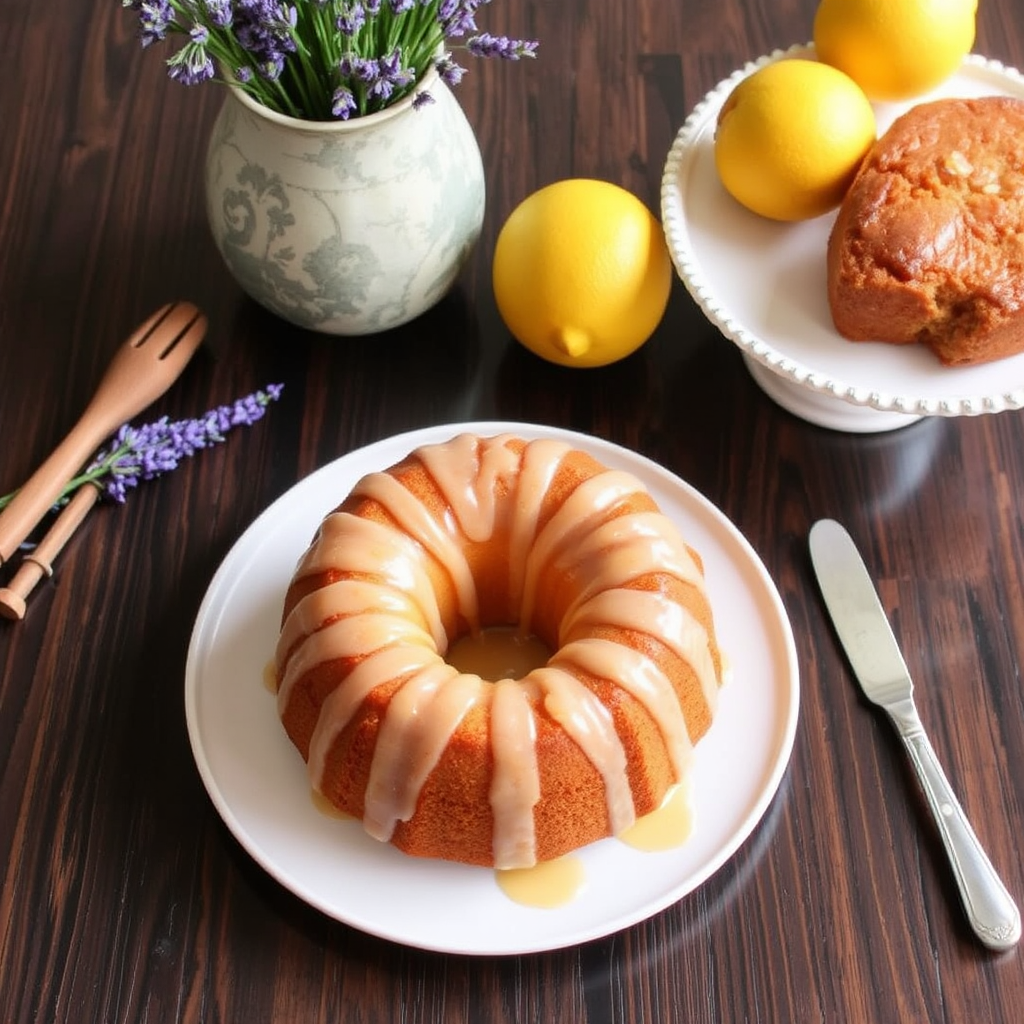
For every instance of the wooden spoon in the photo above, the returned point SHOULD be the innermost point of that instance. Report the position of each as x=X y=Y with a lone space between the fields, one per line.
x=39 y=561
x=142 y=369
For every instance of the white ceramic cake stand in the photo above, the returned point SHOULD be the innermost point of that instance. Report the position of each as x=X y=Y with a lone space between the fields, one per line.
x=762 y=283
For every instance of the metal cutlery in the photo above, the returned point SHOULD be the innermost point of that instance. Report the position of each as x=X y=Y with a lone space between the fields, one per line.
x=875 y=657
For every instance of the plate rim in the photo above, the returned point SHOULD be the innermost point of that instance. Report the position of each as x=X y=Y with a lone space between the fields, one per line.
x=793 y=371
x=771 y=772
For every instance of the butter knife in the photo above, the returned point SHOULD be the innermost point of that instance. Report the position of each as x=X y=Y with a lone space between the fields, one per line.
x=876 y=660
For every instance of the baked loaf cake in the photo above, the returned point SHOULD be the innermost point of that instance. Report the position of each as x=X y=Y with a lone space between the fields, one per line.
x=928 y=245
x=482 y=532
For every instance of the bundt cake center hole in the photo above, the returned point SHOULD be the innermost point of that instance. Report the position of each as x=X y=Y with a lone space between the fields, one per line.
x=498 y=652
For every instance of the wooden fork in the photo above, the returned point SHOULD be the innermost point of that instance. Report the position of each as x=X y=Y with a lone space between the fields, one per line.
x=142 y=369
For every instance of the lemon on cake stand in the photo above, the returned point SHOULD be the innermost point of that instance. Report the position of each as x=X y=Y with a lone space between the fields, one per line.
x=762 y=282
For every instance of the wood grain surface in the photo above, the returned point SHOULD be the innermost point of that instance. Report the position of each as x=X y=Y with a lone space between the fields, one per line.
x=124 y=898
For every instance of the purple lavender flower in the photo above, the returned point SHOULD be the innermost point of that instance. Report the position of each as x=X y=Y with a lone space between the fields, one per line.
x=351 y=20
x=457 y=17
x=271 y=67
x=155 y=18
x=381 y=91
x=390 y=76
x=264 y=29
x=141 y=453
x=450 y=72
x=343 y=104
x=191 y=65
x=362 y=69
x=135 y=454
x=391 y=67
x=218 y=12
x=289 y=61
x=486 y=45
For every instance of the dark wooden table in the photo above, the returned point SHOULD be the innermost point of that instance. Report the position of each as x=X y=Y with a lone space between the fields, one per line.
x=124 y=898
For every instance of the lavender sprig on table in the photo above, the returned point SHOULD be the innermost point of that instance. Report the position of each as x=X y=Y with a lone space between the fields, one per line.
x=320 y=60
x=142 y=453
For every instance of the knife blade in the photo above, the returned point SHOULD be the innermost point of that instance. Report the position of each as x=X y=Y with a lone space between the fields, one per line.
x=877 y=662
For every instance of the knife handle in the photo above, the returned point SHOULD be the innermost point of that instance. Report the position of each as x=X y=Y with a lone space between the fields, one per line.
x=990 y=909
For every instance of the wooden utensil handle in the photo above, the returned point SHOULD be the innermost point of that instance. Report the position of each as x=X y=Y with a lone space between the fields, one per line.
x=39 y=562
x=142 y=369
x=42 y=489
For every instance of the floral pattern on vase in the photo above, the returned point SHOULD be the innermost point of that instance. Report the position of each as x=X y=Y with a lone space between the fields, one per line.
x=348 y=227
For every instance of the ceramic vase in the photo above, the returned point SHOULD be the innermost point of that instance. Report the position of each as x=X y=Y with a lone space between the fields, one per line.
x=348 y=227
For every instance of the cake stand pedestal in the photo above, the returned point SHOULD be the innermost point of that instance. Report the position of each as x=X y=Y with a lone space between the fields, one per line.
x=822 y=409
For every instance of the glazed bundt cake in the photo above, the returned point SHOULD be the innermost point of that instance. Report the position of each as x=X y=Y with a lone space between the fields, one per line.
x=479 y=533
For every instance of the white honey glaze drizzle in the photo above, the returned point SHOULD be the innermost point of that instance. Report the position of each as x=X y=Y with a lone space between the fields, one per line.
x=472 y=496
x=374 y=550
x=420 y=720
x=515 y=785
x=625 y=547
x=541 y=460
x=414 y=518
x=432 y=698
x=579 y=515
x=590 y=724
x=642 y=679
x=551 y=883
x=646 y=612
x=352 y=637
x=398 y=662
x=344 y=598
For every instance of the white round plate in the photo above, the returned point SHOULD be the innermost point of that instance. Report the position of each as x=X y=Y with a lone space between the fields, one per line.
x=762 y=283
x=258 y=782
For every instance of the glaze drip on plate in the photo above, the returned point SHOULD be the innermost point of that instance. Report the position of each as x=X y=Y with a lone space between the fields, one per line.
x=483 y=532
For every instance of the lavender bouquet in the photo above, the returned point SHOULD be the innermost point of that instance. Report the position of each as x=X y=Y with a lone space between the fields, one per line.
x=320 y=60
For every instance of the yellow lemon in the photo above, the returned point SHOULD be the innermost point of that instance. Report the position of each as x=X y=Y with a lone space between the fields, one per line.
x=895 y=49
x=790 y=138
x=581 y=272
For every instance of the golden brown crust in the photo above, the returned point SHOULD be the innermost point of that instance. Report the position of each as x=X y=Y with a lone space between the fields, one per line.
x=928 y=245
x=453 y=818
